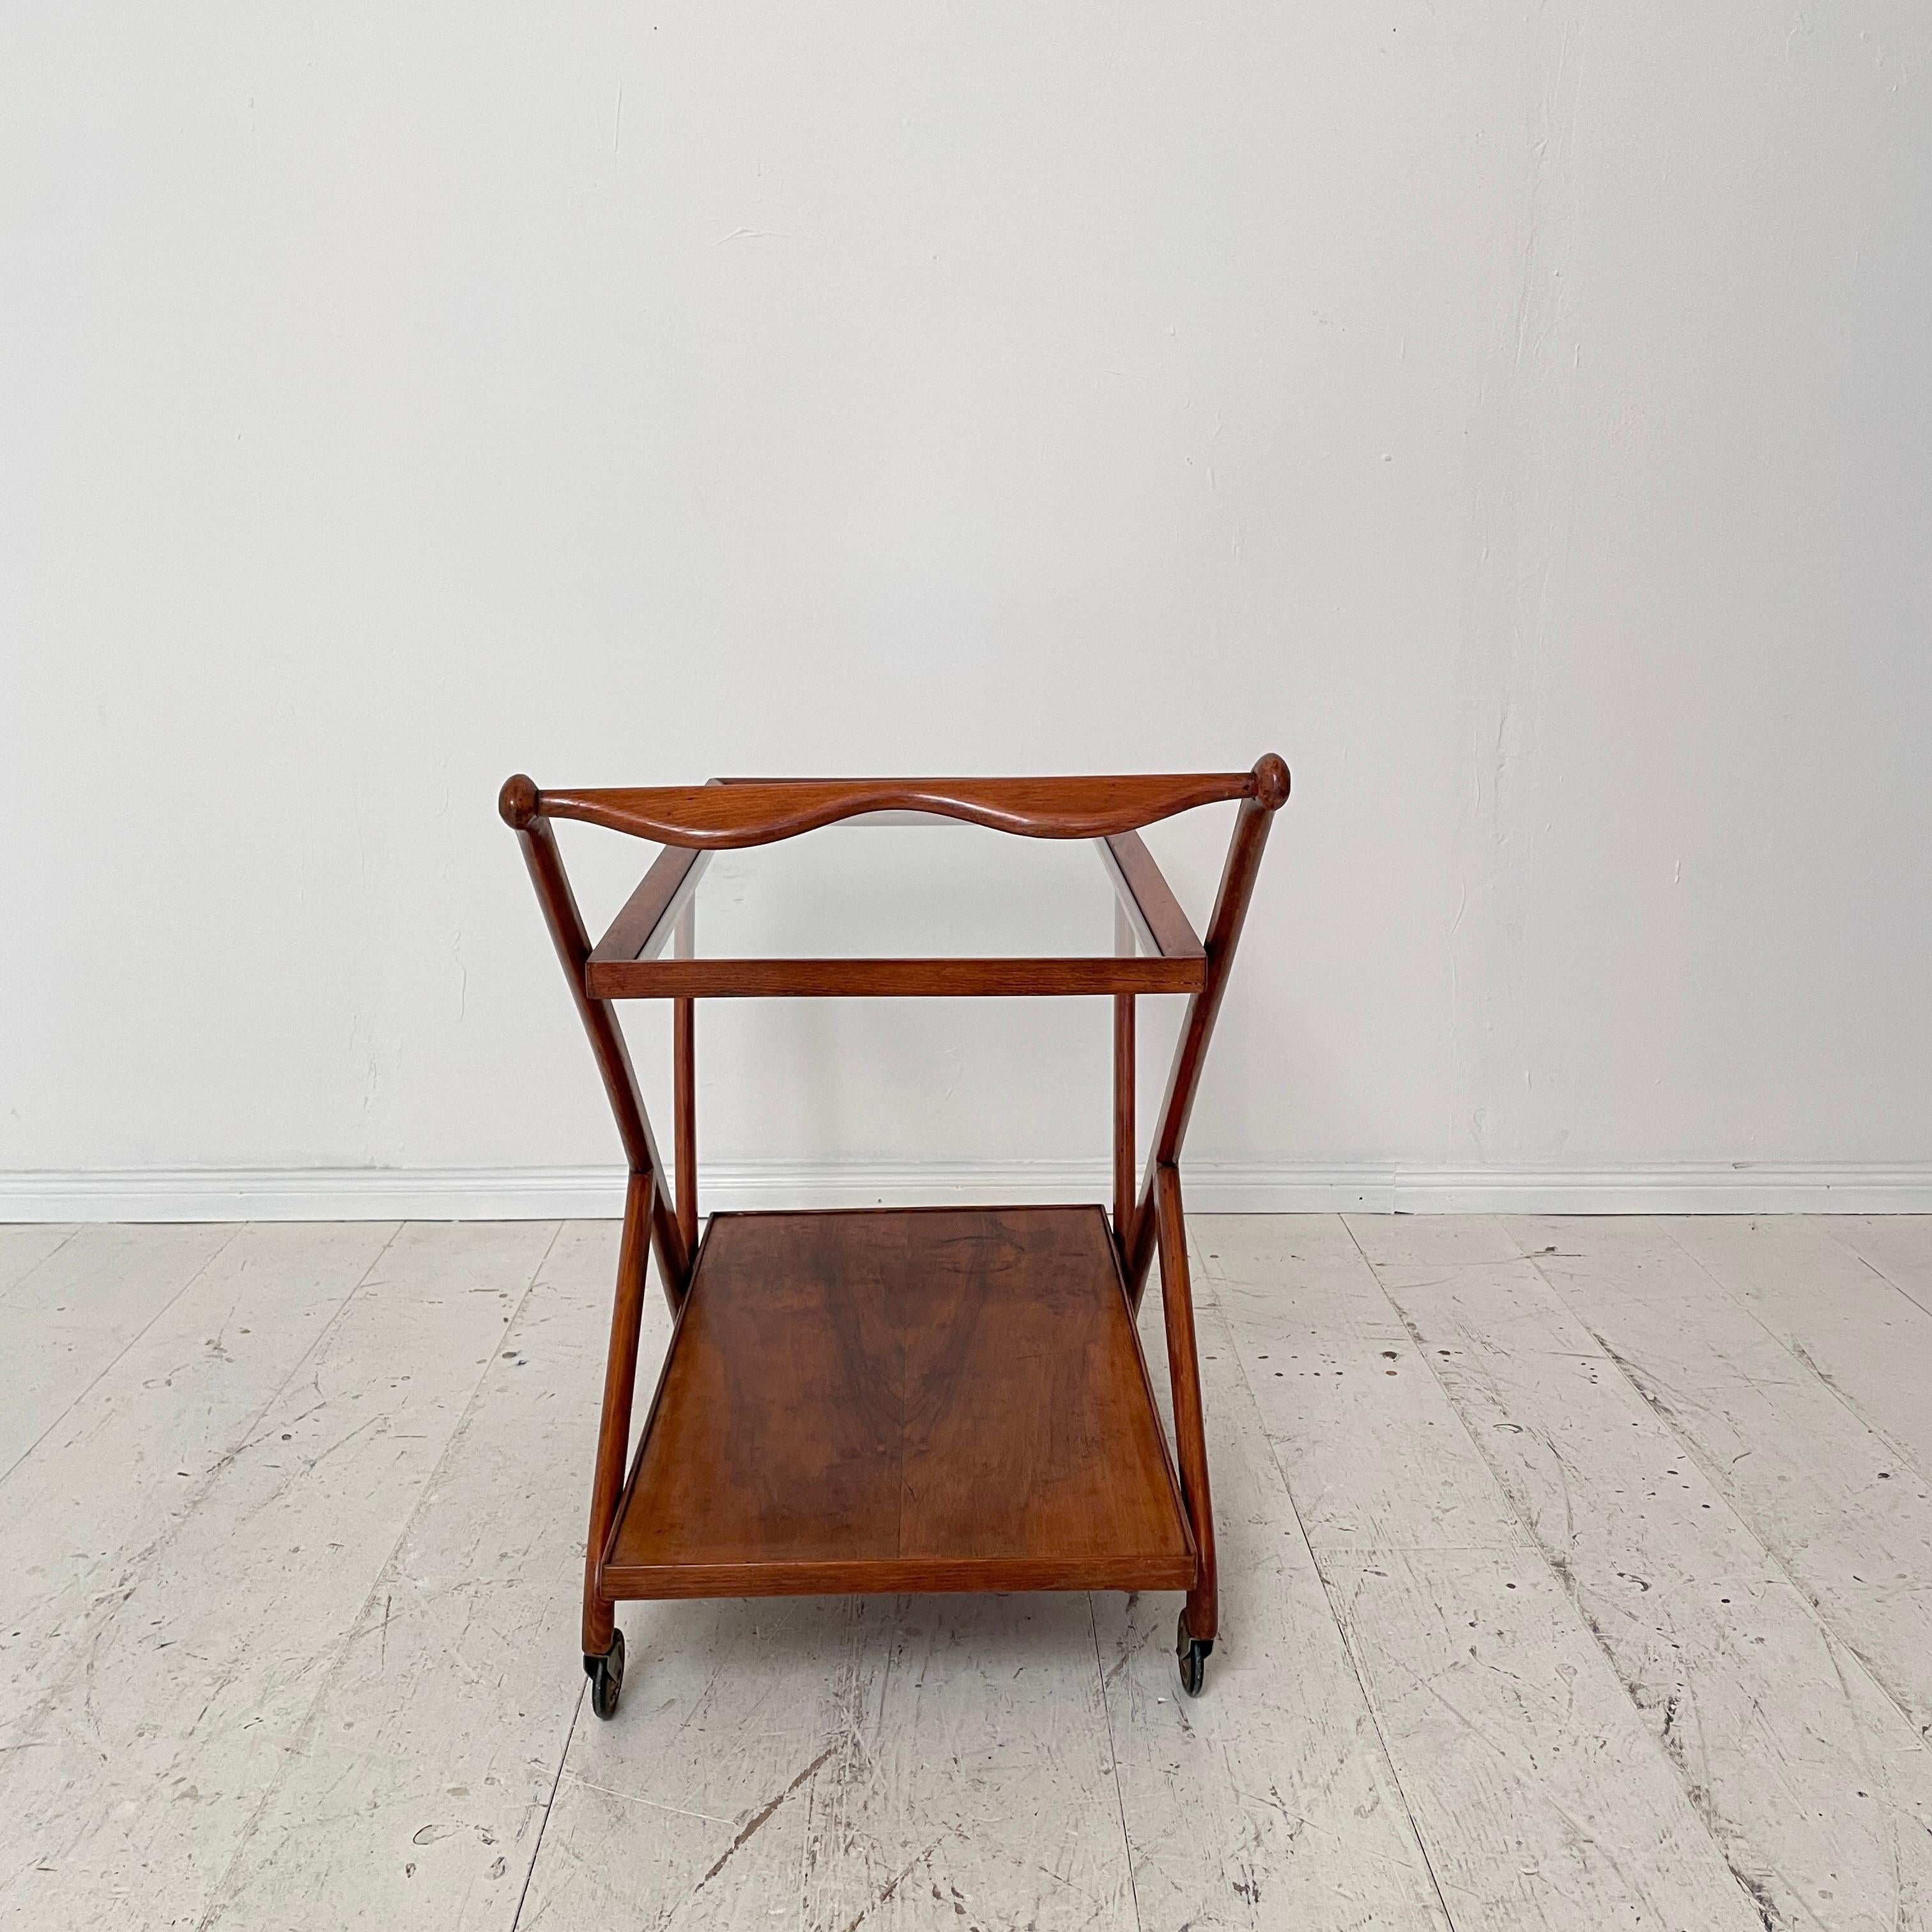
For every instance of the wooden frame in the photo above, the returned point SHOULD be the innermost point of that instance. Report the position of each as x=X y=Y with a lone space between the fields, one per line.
x=999 y=1499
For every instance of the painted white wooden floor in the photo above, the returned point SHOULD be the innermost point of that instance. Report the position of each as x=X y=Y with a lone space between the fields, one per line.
x=1575 y=1573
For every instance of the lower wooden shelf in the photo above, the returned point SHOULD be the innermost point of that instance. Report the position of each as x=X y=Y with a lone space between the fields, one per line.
x=889 y=1399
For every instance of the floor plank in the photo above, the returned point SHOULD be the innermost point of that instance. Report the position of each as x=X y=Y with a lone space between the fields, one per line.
x=1866 y=1339
x=416 y=1791
x=133 y=1457
x=825 y=1762
x=1268 y=1801
x=24 y=1245
x=1540 y=1797
x=1899 y=1246
x=1817 y=1790
x=1848 y=1522
x=978 y=1785
x=69 y=1315
x=1538 y=1792
x=1370 y=1467
x=165 y=1706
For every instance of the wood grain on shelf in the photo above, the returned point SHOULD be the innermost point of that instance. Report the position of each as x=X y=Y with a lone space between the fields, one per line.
x=881 y=1400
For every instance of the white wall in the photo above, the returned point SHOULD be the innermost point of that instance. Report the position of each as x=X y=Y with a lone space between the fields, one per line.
x=1519 y=417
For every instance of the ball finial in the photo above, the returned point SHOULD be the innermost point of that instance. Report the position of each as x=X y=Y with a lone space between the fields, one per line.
x=517 y=803
x=1271 y=780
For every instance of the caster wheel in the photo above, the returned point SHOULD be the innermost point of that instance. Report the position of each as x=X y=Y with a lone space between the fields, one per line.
x=607 y=1677
x=1192 y=1653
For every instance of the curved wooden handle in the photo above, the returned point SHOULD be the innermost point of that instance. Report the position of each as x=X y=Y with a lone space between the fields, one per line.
x=757 y=811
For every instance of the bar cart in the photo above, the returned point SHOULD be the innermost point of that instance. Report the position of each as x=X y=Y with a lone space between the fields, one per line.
x=877 y=1400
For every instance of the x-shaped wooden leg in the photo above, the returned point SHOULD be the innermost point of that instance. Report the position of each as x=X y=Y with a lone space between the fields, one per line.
x=1157 y=1222
x=651 y=1218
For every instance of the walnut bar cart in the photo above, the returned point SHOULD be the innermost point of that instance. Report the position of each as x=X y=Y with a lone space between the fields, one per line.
x=883 y=1399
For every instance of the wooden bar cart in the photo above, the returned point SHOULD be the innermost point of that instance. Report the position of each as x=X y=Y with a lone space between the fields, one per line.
x=881 y=1400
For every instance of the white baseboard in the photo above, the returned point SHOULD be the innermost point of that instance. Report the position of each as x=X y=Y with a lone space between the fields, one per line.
x=1213 y=1187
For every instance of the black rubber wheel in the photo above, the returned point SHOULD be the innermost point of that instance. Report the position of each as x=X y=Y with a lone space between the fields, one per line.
x=607 y=1677
x=1192 y=1654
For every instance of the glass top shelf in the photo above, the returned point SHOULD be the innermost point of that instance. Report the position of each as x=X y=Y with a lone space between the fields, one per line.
x=898 y=902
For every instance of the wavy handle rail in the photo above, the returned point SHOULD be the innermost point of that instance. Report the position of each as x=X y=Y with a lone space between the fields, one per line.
x=757 y=811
